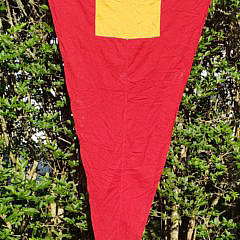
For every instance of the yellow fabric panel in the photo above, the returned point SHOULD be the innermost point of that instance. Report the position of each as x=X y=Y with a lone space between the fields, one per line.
x=128 y=19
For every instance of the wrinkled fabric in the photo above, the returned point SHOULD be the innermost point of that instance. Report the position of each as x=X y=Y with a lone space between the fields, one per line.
x=125 y=86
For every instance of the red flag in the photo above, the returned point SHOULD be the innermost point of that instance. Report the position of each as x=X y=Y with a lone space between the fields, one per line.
x=126 y=65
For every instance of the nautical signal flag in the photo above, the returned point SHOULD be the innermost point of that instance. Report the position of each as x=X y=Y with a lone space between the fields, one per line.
x=126 y=66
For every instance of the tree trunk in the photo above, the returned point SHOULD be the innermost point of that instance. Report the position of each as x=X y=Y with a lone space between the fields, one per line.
x=191 y=226
x=175 y=218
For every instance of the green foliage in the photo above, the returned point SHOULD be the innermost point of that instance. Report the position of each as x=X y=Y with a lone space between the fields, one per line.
x=40 y=195
x=201 y=181
x=28 y=206
x=39 y=198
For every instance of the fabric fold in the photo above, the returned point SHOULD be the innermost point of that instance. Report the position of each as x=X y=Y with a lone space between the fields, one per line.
x=125 y=85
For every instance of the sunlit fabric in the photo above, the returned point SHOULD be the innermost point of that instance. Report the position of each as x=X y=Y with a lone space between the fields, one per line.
x=128 y=18
x=126 y=65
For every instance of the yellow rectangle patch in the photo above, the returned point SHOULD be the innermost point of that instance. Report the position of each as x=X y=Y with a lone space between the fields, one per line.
x=128 y=19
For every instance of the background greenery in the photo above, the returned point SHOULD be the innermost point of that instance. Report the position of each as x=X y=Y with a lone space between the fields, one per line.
x=43 y=192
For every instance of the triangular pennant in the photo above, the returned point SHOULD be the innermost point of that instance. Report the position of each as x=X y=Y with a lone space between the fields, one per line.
x=126 y=65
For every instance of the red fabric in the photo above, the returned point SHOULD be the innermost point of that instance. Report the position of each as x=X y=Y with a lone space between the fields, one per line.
x=125 y=96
